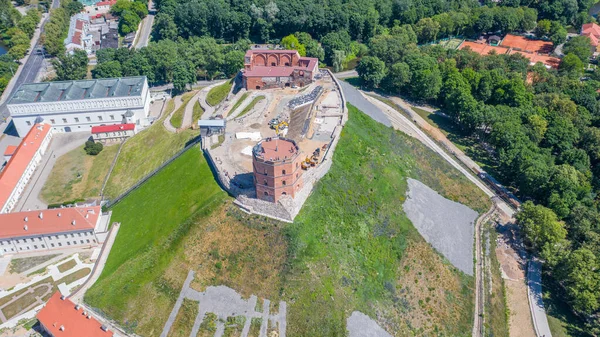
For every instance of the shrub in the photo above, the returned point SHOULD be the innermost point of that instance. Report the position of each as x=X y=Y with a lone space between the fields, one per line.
x=93 y=148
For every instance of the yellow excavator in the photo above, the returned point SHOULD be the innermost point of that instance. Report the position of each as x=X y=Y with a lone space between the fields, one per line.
x=311 y=161
x=281 y=126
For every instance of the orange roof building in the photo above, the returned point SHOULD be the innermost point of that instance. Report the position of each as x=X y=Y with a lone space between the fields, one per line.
x=49 y=229
x=61 y=317
x=591 y=30
x=22 y=164
x=264 y=69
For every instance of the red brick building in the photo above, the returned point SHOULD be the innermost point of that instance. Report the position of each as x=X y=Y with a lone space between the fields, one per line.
x=264 y=69
x=277 y=168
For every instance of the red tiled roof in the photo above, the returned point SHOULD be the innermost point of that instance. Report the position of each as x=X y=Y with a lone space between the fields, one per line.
x=76 y=38
x=104 y=3
x=10 y=150
x=79 y=24
x=590 y=28
x=57 y=220
x=249 y=52
x=112 y=128
x=593 y=38
x=20 y=160
x=62 y=313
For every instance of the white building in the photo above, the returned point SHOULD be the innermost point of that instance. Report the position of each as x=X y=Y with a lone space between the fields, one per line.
x=73 y=106
x=50 y=229
x=21 y=165
x=79 y=36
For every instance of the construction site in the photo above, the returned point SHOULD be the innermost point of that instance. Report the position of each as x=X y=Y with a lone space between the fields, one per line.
x=276 y=144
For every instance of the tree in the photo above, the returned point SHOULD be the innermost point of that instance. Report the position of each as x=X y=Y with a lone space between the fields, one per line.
x=543 y=28
x=571 y=64
x=338 y=60
x=312 y=47
x=164 y=27
x=233 y=62
x=558 y=33
x=339 y=41
x=371 y=71
x=108 y=69
x=71 y=67
x=582 y=280
x=92 y=148
x=580 y=46
x=182 y=76
x=541 y=228
x=427 y=30
x=398 y=76
x=129 y=22
x=291 y=42
x=72 y=7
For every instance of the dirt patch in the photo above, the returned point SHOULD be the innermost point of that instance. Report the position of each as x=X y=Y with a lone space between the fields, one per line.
x=445 y=224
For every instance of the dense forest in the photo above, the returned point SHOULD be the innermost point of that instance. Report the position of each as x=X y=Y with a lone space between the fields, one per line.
x=541 y=127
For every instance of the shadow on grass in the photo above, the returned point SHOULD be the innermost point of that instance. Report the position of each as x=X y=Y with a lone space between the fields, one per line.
x=556 y=308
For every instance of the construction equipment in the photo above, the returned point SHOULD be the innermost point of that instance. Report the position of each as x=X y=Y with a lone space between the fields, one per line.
x=281 y=126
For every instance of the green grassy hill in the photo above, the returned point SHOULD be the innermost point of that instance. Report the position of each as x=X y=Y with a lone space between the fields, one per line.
x=350 y=248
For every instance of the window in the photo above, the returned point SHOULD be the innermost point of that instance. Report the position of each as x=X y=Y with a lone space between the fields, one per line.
x=76 y=119
x=283 y=172
x=72 y=235
x=89 y=119
x=74 y=242
x=266 y=193
x=273 y=64
x=283 y=193
x=17 y=241
x=100 y=118
x=88 y=240
x=296 y=175
x=39 y=239
x=28 y=123
x=60 y=244
x=287 y=64
x=52 y=121
x=43 y=246
x=283 y=182
x=266 y=182
x=68 y=243
x=64 y=120
x=112 y=117
x=81 y=241
x=79 y=234
x=52 y=244
x=34 y=246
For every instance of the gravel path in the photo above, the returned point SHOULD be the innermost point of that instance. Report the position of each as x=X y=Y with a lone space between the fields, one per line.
x=361 y=325
x=447 y=225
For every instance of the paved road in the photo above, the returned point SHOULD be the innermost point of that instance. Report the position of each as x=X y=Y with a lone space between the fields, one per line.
x=536 y=303
x=144 y=37
x=29 y=71
x=357 y=99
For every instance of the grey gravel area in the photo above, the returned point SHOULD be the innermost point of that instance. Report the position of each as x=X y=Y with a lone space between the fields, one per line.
x=447 y=225
x=361 y=325
x=354 y=97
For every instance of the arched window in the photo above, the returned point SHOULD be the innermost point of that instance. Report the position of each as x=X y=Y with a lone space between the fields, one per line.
x=282 y=171
x=283 y=182
x=266 y=193
x=266 y=182
x=283 y=193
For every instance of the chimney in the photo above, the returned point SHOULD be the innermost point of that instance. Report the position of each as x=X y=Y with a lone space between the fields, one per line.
x=58 y=214
x=77 y=306
x=26 y=219
x=104 y=328
x=87 y=216
x=88 y=316
x=41 y=215
x=62 y=328
x=73 y=222
x=25 y=227
x=62 y=297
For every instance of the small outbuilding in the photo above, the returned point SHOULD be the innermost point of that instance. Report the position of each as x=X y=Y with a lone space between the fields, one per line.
x=209 y=127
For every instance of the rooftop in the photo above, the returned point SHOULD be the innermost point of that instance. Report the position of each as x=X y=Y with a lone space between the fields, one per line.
x=112 y=128
x=23 y=154
x=63 y=318
x=590 y=28
x=10 y=150
x=211 y=122
x=48 y=221
x=249 y=52
x=78 y=90
x=275 y=149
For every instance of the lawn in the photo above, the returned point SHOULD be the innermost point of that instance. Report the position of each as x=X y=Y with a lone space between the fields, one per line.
x=562 y=321
x=217 y=94
x=66 y=266
x=197 y=112
x=177 y=117
x=19 y=265
x=143 y=153
x=250 y=106
x=76 y=175
x=350 y=248
x=239 y=102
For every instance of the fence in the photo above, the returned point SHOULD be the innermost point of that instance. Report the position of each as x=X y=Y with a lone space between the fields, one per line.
x=191 y=144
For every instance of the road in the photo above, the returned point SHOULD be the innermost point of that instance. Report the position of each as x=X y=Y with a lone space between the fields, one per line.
x=144 y=36
x=536 y=303
x=28 y=73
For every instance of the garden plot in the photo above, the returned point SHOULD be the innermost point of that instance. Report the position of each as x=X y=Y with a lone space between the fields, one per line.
x=447 y=225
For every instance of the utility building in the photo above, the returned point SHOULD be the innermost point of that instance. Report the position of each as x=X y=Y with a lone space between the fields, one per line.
x=79 y=105
x=265 y=69
x=277 y=168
